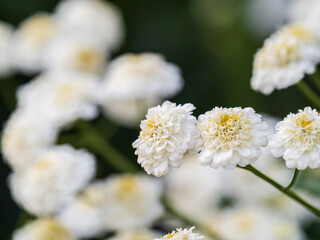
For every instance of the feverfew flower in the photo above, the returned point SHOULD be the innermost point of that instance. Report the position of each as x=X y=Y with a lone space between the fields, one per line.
x=136 y=82
x=94 y=17
x=231 y=137
x=61 y=97
x=24 y=136
x=5 y=38
x=132 y=201
x=285 y=58
x=29 y=42
x=85 y=216
x=179 y=233
x=297 y=139
x=74 y=53
x=135 y=234
x=167 y=133
x=43 y=229
x=52 y=180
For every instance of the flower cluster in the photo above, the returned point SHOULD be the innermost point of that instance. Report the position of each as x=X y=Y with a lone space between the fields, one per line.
x=180 y=233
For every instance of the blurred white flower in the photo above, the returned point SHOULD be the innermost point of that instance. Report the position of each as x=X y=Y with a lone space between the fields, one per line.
x=74 y=53
x=263 y=17
x=30 y=40
x=132 y=201
x=136 y=82
x=179 y=233
x=85 y=216
x=61 y=97
x=298 y=139
x=231 y=137
x=6 y=32
x=135 y=234
x=43 y=229
x=167 y=133
x=184 y=192
x=96 y=18
x=52 y=181
x=285 y=58
x=24 y=136
x=256 y=223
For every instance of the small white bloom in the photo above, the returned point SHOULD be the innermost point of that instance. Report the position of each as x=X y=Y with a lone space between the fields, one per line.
x=52 y=180
x=136 y=82
x=74 y=53
x=61 y=97
x=167 y=133
x=24 y=136
x=85 y=216
x=253 y=222
x=184 y=192
x=285 y=58
x=43 y=229
x=231 y=137
x=179 y=233
x=132 y=201
x=298 y=139
x=29 y=42
x=136 y=234
x=5 y=40
x=94 y=17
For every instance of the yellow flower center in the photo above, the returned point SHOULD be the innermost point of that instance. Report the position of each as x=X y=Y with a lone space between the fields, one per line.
x=49 y=229
x=127 y=188
x=88 y=60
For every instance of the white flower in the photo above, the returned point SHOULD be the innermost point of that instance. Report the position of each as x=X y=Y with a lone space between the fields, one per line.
x=43 y=229
x=136 y=82
x=135 y=234
x=297 y=139
x=184 y=192
x=52 y=180
x=85 y=216
x=96 y=18
x=179 y=233
x=131 y=201
x=256 y=223
x=167 y=133
x=29 y=42
x=74 y=53
x=5 y=40
x=24 y=136
x=285 y=58
x=61 y=97
x=231 y=137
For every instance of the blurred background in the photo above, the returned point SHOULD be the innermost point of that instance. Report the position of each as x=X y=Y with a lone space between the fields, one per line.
x=212 y=41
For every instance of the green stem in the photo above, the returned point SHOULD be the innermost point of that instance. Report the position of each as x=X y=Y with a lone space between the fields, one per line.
x=309 y=93
x=316 y=79
x=284 y=190
x=189 y=222
x=294 y=179
x=98 y=143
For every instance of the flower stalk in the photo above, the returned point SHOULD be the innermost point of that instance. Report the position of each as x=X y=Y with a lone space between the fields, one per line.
x=308 y=92
x=286 y=190
x=294 y=179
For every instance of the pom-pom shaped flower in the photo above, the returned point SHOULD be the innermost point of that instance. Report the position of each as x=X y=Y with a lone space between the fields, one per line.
x=132 y=234
x=168 y=132
x=29 y=42
x=52 y=180
x=136 y=82
x=61 y=97
x=231 y=137
x=131 y=201
x=43 y=229
x=179 y=233
x=93 y=18
x=25 y=135
x=298 y=139
x=285 y=58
